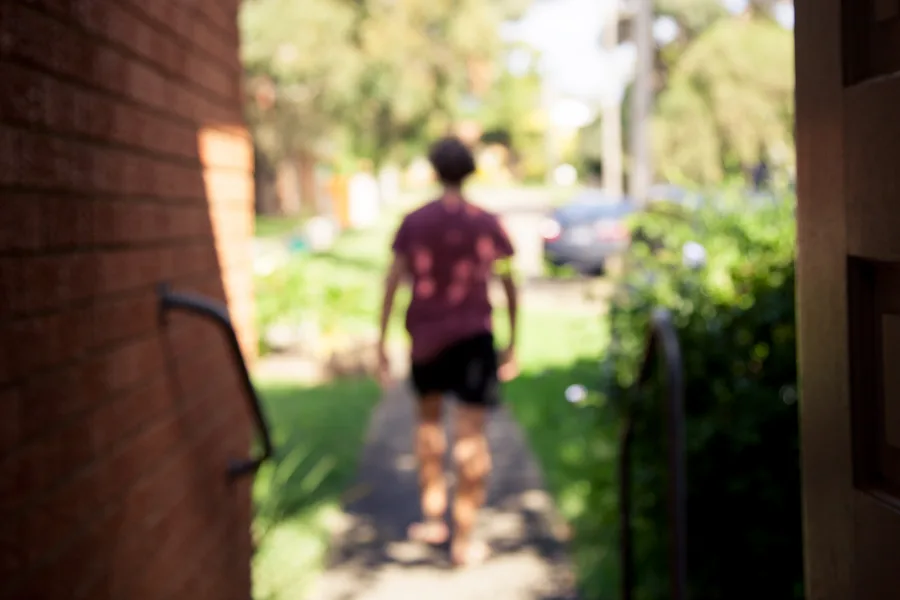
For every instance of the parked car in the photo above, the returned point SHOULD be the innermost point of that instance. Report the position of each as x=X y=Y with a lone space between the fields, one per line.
x=587 y=232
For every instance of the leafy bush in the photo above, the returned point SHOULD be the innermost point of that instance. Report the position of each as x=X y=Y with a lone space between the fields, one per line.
x=311 y=288
x=280 y=295
x=735 y=321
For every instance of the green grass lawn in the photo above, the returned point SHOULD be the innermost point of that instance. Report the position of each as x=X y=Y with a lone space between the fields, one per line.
x=318 y=433
x=276 y=226
x=556 y=351
x=575 y=443
x=319 y=430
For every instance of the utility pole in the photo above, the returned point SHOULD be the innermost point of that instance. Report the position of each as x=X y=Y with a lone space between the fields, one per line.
x=641 y=173
x=551 y=152
x=612 y=111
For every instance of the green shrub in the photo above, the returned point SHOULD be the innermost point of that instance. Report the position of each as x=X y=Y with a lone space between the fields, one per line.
x=281 y=297
x=736 y=327
x=312 y=288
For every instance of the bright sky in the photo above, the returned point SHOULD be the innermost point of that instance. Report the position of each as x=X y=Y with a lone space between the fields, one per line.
x=568 y=33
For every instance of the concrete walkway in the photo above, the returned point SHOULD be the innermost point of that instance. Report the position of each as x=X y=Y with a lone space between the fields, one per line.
x=371 y=560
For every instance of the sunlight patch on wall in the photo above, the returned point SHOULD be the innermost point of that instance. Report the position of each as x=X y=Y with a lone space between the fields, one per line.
x=226 y=153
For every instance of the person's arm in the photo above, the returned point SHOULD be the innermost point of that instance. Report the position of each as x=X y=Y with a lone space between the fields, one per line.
x=393 y=280
x=506 y=271
x=504 y=268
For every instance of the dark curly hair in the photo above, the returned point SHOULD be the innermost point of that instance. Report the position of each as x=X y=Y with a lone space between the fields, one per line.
x=452 y=160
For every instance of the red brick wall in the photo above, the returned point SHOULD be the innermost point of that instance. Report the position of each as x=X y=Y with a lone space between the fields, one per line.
x=123 y=164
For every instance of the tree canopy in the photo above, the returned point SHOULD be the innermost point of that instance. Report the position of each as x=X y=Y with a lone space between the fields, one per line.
x=692 y=16
x=366 y=78
x=377 y=79
x=511 y=111
x=302 y=70
x=729 y=100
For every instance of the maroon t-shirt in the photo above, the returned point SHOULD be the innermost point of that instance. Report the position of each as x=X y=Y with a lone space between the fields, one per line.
x=450 y=249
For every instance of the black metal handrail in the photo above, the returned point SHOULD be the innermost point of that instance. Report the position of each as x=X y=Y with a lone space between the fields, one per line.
x=662 y=343
x=218 y=314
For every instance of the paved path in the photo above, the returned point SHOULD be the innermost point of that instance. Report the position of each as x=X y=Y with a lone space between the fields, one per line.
x=372 y=560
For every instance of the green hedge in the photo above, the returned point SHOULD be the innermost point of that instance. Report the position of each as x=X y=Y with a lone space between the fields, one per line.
x=735 y=320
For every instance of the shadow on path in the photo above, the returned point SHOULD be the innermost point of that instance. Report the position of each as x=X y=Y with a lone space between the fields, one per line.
x=372 y=560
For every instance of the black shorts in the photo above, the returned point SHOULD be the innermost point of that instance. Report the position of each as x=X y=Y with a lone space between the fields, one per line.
x=467 y=369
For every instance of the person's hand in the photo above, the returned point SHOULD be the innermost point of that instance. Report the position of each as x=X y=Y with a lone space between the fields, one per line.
x=508 y=368
x=383 y=372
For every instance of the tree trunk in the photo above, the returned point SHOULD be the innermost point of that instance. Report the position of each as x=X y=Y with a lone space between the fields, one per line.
x=288 y=189
x=306 y=174
x=612 y=118
x=264 y=181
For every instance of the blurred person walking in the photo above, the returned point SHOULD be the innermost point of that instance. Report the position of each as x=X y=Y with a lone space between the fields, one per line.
x=448 y=250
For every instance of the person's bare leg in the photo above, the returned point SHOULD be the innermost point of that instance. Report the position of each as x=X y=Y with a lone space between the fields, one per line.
x=431 y=445
x=473 y=463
